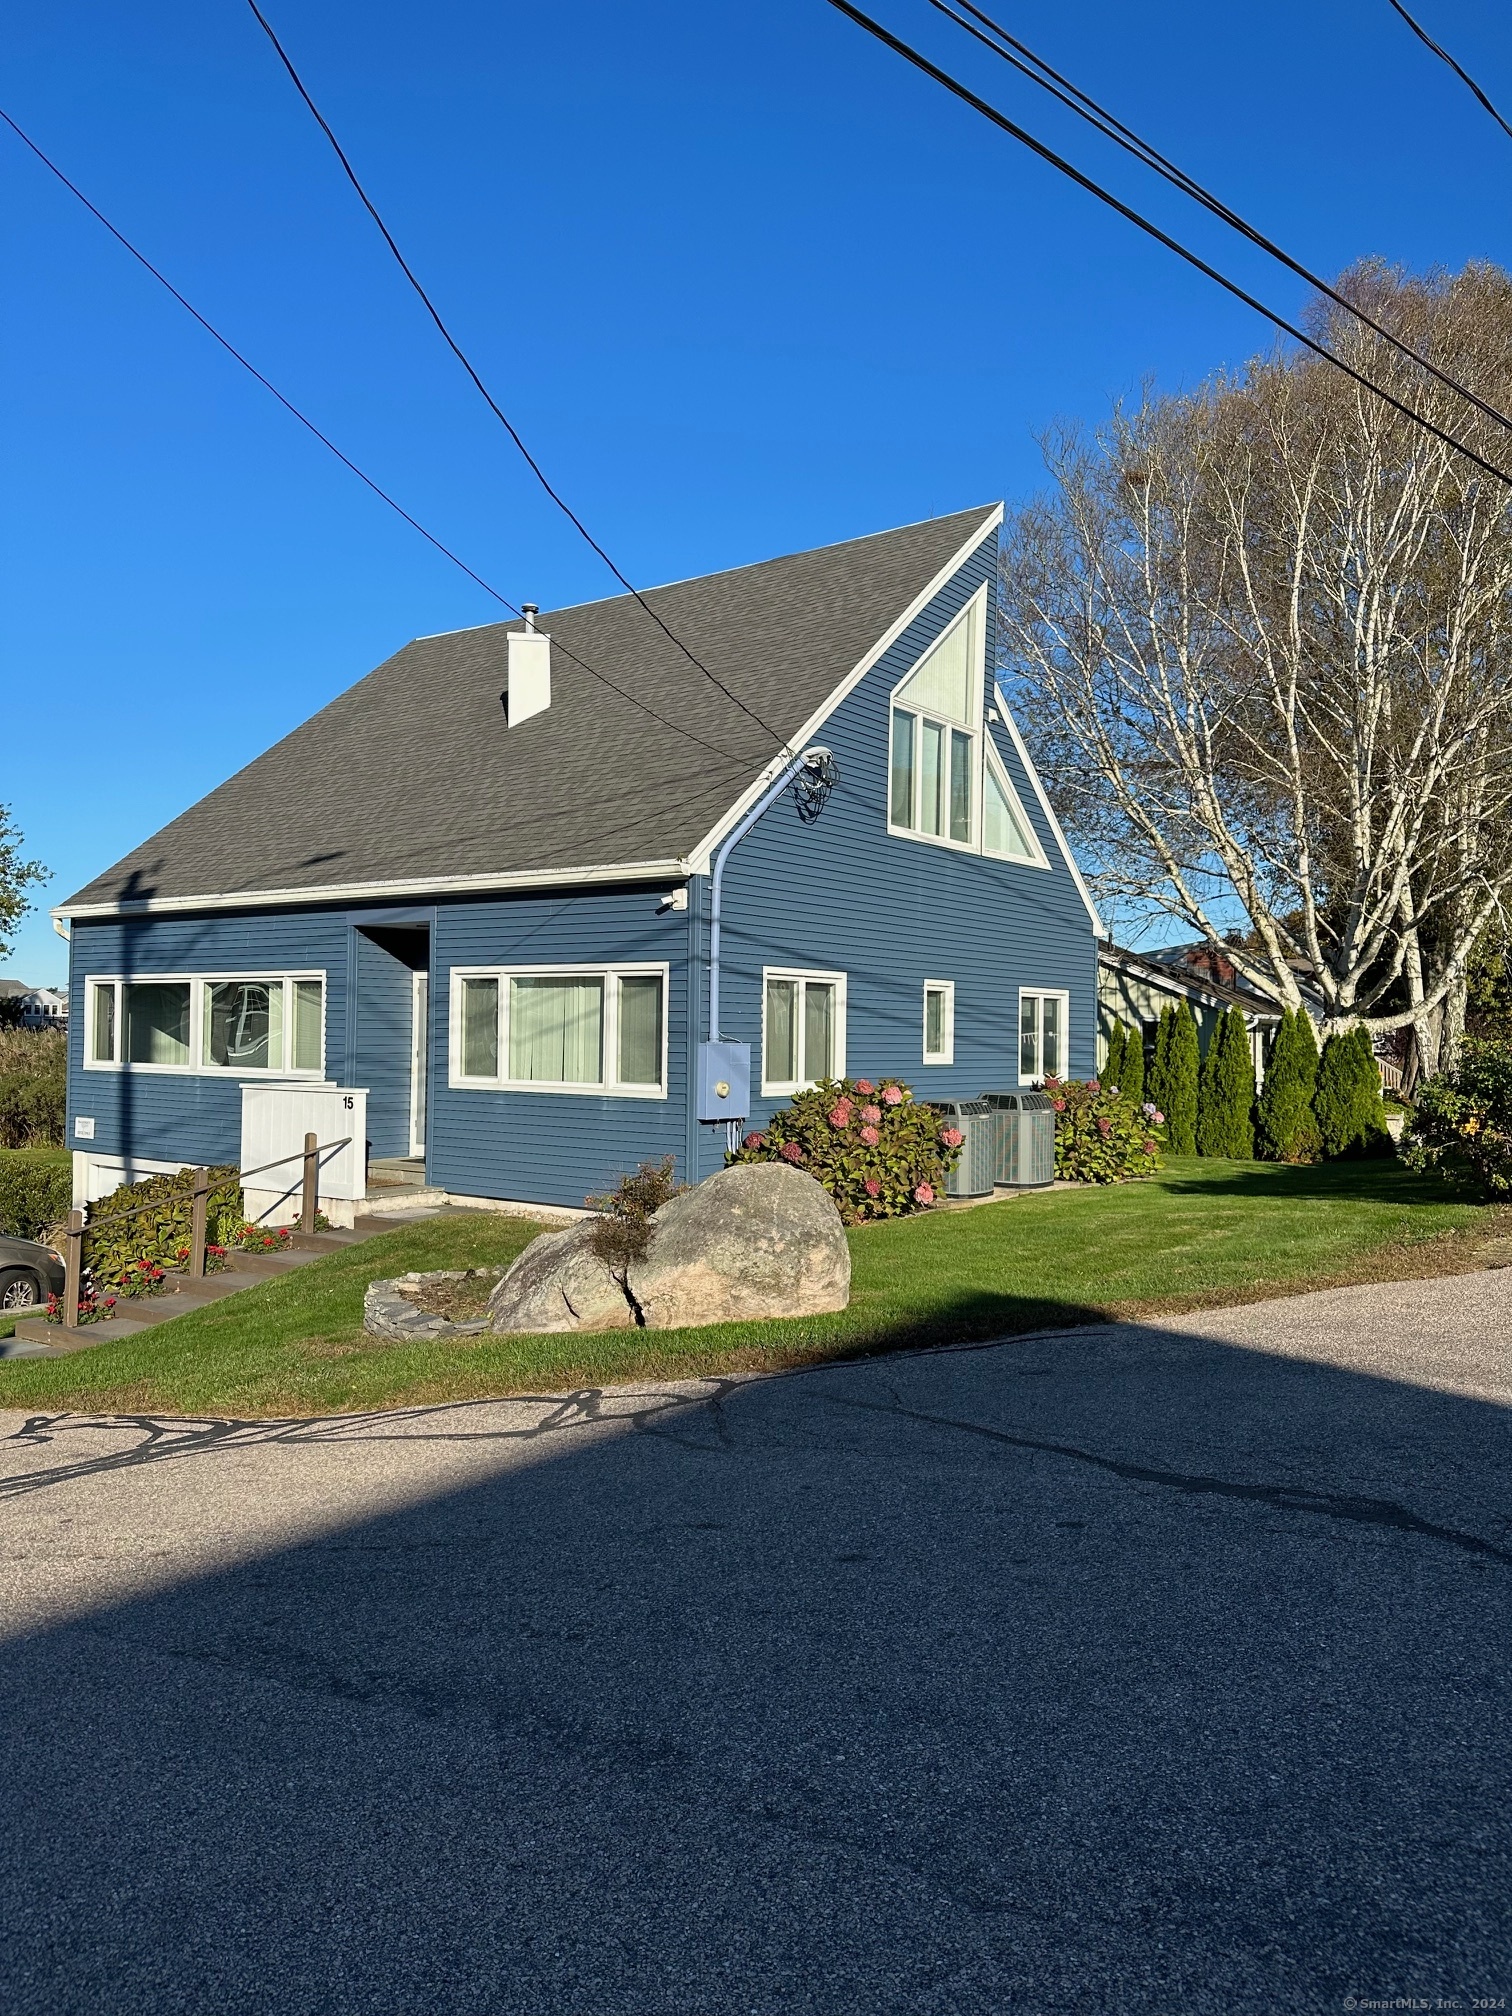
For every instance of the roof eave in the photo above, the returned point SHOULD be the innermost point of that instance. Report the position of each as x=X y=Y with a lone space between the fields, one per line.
x=518 y=880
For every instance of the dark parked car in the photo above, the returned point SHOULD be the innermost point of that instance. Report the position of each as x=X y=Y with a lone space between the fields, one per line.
x=29 y=1273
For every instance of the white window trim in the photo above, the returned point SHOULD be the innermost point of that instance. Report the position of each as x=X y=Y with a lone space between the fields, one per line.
x=999 y=770
x=196 y=1067
x=607 y=972
x=1042 y=994
x=778 y=1088
x=947 y=1055
x=973 y=728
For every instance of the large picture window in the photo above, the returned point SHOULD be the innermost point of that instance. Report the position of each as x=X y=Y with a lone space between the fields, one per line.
x=1042 y=1036
x=936 y=729
x=206 y=1022
x=802 y=1029
x=569 y=1029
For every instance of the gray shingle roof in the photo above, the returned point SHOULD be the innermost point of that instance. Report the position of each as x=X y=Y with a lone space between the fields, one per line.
x=412 y=774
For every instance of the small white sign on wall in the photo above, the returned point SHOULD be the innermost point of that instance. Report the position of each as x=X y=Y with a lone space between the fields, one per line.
x=84 y=1126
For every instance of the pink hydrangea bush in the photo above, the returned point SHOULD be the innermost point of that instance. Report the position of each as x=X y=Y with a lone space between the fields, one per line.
x=1100 y=1136
x=878 y=1151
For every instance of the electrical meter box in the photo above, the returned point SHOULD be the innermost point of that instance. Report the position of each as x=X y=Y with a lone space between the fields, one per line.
x=724 y=1081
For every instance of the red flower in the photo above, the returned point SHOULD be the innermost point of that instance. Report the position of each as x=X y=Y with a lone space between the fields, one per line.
x=1149 y=1147
x=924 y=1194
x=1059 y=1105
x=1105 y=1128
x=872 y=1187
x=754 y=1141
x=892 y=1095
x=952 y=1136
x=839 y=1114
x=865 y=1087
x=871 y=1115
x=790 y=1152
x=870 y=1136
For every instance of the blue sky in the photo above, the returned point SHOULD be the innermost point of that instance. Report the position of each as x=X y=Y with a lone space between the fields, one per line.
x=745 y=283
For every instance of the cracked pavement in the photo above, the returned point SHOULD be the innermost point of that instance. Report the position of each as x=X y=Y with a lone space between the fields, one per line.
x=1145 y=1667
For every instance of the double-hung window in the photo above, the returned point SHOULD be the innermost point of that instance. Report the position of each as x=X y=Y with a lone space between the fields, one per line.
x=939 y=1021
x=935 y=733
x=564 y=1029
x=244 y=1025
x=802 y=1029
x=1042 y=1036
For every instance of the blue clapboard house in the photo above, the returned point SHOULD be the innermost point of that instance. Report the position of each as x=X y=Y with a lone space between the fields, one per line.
x=556 y=898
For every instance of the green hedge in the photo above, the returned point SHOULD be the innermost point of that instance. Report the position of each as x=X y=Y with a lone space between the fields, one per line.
x=36 y=1190
x=33 y=1073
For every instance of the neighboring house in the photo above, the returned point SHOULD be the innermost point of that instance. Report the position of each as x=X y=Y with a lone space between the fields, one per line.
x=1133 y=988
x=38 y=1007
x=479 y=885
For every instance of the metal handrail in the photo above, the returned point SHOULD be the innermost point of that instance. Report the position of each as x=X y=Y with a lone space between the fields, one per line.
x=79 y=1228
x=241 y=1175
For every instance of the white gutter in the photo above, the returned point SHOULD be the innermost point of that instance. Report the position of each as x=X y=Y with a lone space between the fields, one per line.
x=384 y=892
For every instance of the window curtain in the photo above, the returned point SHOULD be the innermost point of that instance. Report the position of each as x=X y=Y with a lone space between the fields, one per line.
x=556 y=1031
x=157 y=1022
x=640 y=1029
x=480 y=1028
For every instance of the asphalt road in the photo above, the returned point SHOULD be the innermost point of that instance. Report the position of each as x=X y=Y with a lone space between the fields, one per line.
x=1153 y=1668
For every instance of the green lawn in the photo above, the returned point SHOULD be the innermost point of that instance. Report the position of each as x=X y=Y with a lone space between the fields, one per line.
x=1200 y=1233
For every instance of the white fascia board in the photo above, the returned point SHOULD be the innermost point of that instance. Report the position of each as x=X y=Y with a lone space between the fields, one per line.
x=364 y=892
x=701 y=856
x=1047 y=808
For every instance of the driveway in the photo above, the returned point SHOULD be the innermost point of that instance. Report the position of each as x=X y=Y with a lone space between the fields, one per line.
x=1142 y=1668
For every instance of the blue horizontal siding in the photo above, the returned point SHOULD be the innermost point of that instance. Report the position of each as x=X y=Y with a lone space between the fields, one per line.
x=555 y=1147
x=382 y=1044
x=162 y=1116
x=843 y=895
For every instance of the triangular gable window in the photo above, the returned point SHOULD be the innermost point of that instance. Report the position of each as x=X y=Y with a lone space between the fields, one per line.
x=1005 y=829
x=936 y=712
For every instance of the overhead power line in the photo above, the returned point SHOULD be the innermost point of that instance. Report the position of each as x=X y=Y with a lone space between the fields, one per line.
x=326 y=442
x=1059 y=162
x=1038 y=71
x=493 y=405
x=1444 y=57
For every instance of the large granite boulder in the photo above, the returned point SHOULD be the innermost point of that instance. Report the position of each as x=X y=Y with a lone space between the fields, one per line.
x=560 y=1283
x=759 y=1239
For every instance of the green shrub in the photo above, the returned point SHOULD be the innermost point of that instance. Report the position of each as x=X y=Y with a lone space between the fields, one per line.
x=1118 y=1049
x=1101 y=1136
x=1285 y=1128
x=33 y=1087
x=623 y=1230
x=1463 y=1123
x=1132 y=1083
x=1226 y=1091
x=1347 y=1102
x=36 y=1190
x=159 y=1236
x=1173 y=1077
x=878 y=1151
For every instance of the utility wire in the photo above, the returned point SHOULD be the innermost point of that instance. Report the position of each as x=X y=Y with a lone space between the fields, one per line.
x=1038 y=71
x=493 y=405
x=326 y=442
x=1002 y=121
x=1444 y=57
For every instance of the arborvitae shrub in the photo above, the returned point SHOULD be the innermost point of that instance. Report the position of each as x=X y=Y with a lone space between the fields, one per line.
x=1347 y=1098
x=1157 y=1077
x=1173 y=1083
x=1118 y=1040
x=1226 y=1091
x=1132 y=1083
x=1285 y=1130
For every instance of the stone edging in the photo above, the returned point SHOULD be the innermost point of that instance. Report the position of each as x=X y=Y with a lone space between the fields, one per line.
x=388 y=1312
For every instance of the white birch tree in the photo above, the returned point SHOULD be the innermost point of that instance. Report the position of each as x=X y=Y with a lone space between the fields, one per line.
x=1262 y=634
